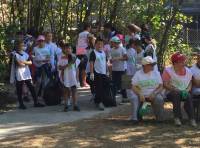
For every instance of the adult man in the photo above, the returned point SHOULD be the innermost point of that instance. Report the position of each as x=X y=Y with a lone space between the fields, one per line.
x=177 y=82
x=147 y=86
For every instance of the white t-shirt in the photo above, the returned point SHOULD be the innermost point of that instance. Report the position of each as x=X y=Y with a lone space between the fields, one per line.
x=195 y=71
x=41 y=54
x=178 y=81
x=82 y=43
x=196 y=74
x=118 y=65
x=131 y=62
x=68 y=78
x=100 y=62
x=22 y=72
x=147 y=82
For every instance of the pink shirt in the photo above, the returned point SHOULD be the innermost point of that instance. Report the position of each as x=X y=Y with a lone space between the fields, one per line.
x=82 y=43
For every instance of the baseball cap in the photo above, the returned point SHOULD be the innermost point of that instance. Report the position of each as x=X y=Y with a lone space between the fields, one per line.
x=178 y=57
x=115 y=39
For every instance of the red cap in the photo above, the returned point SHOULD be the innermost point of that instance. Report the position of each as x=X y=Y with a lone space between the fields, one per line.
x=178 y=57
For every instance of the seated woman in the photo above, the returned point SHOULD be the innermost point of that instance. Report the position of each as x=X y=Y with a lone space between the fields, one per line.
x=196 y=75
x=177 y=82
x=147 y=86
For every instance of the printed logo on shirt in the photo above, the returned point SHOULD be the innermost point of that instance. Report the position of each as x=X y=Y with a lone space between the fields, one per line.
x=178 y=84
x=147 y=83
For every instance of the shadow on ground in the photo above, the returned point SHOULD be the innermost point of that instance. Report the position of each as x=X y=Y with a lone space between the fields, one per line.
x=113 y=130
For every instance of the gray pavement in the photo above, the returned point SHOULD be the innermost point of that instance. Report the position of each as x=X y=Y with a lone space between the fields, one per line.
x=17 y=121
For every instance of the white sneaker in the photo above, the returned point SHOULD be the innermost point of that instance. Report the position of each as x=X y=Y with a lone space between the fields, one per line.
x=193 y=123
x=177 y=122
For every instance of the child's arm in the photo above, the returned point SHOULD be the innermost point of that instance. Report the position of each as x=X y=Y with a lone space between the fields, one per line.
x=20 y=63
x=62 y=67
x=28 y=62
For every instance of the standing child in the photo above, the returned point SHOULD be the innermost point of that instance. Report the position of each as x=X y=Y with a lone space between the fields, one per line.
x=22 y=74
x=118 y=58
x=150 y=49
x=139 y=53
x=98 y=71
x=131 y=62
x=90 y=48
x=67 y=72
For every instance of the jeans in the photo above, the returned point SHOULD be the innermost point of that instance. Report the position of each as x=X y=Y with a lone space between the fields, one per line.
x=46 y=68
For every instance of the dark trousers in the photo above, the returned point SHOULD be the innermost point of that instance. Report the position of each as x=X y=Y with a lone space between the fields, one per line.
x=91 y=83
x=117 y=81
x=82 y=67
x=98 y=83
x=29 y=84
x=175 y=98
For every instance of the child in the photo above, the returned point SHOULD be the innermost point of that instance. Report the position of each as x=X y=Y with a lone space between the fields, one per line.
x=98 y=71
x=41 y=59
x=67 y=73
x=22 y=74
x=131 y=62
x=139 y=54
x=150 y=49
x=90 y=48
x=118 y=58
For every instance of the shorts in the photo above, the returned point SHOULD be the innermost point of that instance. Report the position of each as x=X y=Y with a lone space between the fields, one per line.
x=83 y=63
x=70 y=88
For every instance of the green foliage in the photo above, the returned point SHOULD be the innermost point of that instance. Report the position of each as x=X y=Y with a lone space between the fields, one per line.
x=63 y=16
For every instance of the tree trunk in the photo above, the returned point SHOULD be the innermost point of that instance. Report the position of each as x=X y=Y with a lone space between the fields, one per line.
x=164 y=41
x=88 y=10
x=114 y=11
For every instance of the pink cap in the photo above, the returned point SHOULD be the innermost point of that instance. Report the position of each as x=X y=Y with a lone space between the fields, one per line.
x=41 y=38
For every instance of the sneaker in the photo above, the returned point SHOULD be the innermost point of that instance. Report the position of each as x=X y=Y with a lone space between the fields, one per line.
x=177 y=122
x=38 y=105
x=22 y=107
x=76 y=108
x=193 y=123
x=101 y=106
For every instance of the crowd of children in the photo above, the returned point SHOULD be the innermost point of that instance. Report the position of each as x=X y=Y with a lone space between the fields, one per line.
x=104 y=57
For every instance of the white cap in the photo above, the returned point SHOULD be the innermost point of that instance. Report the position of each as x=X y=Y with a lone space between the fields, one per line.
x=148 y=60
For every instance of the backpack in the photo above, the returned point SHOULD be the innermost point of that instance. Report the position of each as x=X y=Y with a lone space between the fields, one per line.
x=52 y=92
x=109 y=99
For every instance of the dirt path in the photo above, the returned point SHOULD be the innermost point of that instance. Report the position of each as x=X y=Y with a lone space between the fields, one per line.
x=108 y=131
